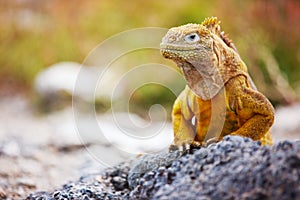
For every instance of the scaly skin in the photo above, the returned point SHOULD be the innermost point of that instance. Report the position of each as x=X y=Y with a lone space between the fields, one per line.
x=220 y=98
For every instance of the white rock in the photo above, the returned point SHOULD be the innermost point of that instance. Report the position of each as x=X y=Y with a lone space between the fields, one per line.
x=60 y=76
x=77 y=80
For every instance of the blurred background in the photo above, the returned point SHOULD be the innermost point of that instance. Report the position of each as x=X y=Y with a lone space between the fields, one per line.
x=37 y=34
x=43 y=43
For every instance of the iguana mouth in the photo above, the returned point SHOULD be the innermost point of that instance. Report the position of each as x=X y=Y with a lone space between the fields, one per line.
x=176 y=51
x=170 y=47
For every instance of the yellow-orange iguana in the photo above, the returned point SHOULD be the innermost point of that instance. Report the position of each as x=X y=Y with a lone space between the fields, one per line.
x=220 y=98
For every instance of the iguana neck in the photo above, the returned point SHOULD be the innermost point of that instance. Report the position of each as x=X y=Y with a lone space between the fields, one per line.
x=203 y=84
x=206 y=77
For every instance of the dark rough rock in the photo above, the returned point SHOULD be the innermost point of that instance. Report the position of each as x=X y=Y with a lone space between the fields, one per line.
x=147 y=163
x=235 y=168
x=110 y=184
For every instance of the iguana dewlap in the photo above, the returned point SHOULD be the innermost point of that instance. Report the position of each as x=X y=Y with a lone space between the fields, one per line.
x=220 y=98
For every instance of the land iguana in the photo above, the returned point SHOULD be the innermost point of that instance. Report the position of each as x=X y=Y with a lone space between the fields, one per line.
x=220 y=98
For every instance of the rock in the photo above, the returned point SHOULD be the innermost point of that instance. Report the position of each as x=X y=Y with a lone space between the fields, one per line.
x=235 y=168
x=109 y=184
x=61 y=77
x=56 y=84
x=148 y=163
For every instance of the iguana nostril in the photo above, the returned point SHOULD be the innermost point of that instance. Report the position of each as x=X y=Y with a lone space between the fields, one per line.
x=172 y=39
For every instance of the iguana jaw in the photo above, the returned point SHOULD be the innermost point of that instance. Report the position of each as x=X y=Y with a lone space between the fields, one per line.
x=180 y=52
x=164 y=46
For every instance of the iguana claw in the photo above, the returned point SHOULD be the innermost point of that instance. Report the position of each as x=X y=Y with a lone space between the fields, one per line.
x=211 y=141
x=185 y=147
x=182 y=148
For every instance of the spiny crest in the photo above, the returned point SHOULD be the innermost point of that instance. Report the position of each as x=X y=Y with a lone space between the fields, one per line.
x=213 y=25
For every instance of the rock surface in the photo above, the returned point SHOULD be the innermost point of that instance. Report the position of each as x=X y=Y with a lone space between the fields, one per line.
x=235 y=168
x=43 y=152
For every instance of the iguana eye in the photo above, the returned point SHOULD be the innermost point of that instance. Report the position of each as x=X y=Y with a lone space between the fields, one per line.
x=192 y=37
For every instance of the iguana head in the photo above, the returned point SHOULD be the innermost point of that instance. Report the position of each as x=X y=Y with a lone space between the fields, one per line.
x=206 y=57
x=186 y=42
x=194 y=41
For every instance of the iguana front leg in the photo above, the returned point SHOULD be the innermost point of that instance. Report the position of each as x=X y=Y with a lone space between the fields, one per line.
x=184 y=132
x=256 y=113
